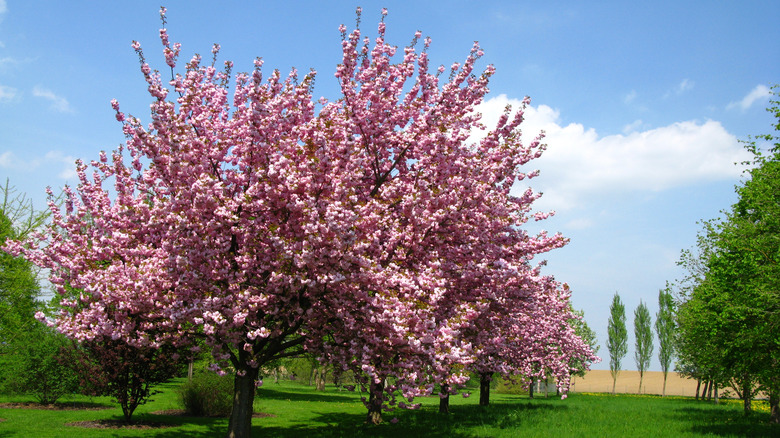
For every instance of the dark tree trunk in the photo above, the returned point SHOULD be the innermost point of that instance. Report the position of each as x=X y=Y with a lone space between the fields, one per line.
x=709 y=390
x=774 y=410
x=444 y=399
x=747 y=395
x=531 y=388
x=240 y=425
x=484 y=388
x=698 y=386
x=375 y=402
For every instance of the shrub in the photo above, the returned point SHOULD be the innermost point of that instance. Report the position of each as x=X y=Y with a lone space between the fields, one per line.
x=208 y=395
x=35 y=364
x=127 y=373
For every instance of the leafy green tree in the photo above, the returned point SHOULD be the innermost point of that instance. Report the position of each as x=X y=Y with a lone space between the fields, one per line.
x=665 y=329
x=584 y=332
x=643 y=344
x=19 y=287
x=730 y=316
x=617 y=337
x=27 y=349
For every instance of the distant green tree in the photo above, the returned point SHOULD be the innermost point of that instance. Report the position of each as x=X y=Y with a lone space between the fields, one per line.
x=643 y=344
x=664 y=328
x=582 y=330
x=617 y=337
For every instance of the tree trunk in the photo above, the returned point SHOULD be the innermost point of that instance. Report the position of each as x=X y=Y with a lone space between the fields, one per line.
x=484 y=388
x=704 y=390
x=716 y=393
x=709 y=390
x=641 y=377
x=312 y=375
x=774 y=410
x=698 y=386
x=189 y=371
x=663 y=392
x=546 y=388
x=444 y=399
x=614 y=382
x=747 y=395
x=531 y=388
x=375 y=402
x=240 y=425
x=321 y=376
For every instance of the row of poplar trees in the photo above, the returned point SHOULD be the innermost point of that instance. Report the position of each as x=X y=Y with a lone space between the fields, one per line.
x=617 y=336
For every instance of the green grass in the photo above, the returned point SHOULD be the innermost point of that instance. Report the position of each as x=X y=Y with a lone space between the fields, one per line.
x=295 y=410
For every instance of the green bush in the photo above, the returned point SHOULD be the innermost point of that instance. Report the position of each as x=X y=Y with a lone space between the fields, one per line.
x=500 y=385
x=35 y=363
x=208 y=395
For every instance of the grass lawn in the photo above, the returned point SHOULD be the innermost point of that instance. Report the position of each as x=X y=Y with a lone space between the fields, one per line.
x=294 y=410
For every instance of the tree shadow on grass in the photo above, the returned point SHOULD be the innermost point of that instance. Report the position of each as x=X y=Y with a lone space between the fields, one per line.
x=426 y=422
x=727 y=422
x=168 y=426
x=274 y=394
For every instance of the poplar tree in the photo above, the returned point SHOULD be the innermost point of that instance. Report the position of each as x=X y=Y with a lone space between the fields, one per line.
x=664 y=328
x=617 y=337
x=643 y=335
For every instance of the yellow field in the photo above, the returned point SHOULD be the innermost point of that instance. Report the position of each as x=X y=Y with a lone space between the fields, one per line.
x=628 y=383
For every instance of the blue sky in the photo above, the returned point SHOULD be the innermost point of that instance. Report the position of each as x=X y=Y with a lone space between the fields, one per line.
x=643 y=106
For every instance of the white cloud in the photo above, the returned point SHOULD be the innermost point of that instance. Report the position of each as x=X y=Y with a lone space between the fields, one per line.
x=6 y=158
x=7 y=93
x=580 y=165
x=633 y=126
x=682 y=87
x=58 y=103
x=52 y=162
x=628 y=98
x=759 y=93
x=68 y=169
x=3 y=7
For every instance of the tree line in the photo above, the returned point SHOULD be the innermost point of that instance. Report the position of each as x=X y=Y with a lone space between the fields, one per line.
x=729 y=301
x=721 y=319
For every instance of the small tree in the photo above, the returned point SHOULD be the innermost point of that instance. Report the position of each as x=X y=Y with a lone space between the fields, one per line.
x=664 y=328
x=127 y=373
x=643 y=333
x=617 y=337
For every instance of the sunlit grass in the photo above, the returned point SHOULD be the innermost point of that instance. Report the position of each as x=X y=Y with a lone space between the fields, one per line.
x=291 y=409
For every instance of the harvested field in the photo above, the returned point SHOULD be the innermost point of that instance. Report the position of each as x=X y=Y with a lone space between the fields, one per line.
x=628 y=383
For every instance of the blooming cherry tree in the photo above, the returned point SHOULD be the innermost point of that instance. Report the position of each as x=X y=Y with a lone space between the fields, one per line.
x=262 y=221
